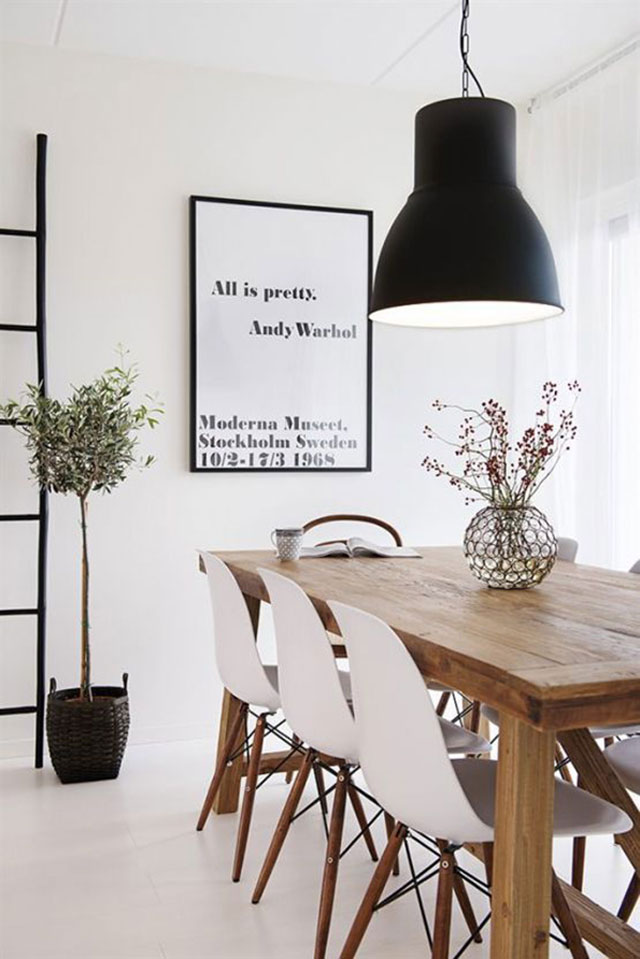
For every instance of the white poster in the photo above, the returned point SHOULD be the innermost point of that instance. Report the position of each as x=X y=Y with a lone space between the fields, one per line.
x=281 y=342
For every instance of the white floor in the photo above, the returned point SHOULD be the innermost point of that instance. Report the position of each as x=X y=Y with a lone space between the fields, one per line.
x=116 y=870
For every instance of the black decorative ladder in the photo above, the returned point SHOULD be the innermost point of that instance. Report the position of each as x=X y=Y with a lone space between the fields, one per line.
x=42 y=516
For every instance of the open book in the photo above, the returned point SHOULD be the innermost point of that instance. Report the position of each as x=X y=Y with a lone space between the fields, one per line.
x=358 y=547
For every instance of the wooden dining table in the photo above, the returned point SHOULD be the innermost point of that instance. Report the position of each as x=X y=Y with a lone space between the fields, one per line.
x=553 y=660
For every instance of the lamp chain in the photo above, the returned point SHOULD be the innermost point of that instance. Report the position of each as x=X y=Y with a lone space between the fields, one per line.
x=464 y=52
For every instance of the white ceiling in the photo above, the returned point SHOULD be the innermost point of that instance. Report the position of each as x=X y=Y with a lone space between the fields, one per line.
x=518 y=47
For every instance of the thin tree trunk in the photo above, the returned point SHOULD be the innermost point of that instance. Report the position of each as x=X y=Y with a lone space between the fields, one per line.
x=85 y=672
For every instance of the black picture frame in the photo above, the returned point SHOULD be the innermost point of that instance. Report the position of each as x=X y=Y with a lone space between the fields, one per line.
x=194 y=199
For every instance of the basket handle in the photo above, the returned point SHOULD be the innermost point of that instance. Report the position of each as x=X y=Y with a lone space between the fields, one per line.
x=52 y=685
x=125 y=681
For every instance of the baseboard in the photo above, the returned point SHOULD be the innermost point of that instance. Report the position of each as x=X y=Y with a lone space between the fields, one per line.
x=14 y=748
x=171 y=734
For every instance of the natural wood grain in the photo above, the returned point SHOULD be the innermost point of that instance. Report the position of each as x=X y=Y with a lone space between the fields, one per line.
x=270 y=760
x=487 y=858
x=374 y=891
x=292 y=762
x=563 y=655
x=577 y=861
x=249 y=796
x=390 y=825
x=321 y=788
x=332 y=861
x=567 y=920
x=630 y=899
x=610 y=935
x=602 y=929
x=442 y=918
x=284 y=822
x=460 y=889
x=521 y=894
x=600 y=778
x=289 y=773
x=234 y=717
x=361 y=817
x=562 y=766
x=353 y=518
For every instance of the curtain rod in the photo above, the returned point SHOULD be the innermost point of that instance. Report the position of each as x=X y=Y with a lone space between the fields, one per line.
x=553 y=93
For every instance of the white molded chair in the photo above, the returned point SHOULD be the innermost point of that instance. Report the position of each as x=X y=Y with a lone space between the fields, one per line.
x=567 y=549
x=316 y=709
x=239 y=664
x=246 y=678
x=625 y=759
x=406 y=765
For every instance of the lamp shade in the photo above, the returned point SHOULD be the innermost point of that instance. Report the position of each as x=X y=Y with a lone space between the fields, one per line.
x=466 y=249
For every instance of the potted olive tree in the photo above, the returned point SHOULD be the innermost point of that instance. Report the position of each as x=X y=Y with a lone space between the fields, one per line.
x=83 y=445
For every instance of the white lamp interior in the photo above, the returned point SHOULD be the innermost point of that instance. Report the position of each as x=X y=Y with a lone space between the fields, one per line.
x=465 y=313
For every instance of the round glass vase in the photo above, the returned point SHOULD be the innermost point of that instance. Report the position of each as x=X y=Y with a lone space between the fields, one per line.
x=510 y=547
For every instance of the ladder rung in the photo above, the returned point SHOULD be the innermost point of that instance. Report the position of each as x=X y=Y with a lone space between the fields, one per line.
x=18 y=328
x=18 y=612
x=5 y=232
x=19 y=517
x=17 y=710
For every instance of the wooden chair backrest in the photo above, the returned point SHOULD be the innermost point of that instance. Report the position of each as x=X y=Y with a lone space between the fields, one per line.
x=353 y=518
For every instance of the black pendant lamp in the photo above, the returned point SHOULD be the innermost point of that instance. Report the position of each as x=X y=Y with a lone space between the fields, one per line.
x=466 y=249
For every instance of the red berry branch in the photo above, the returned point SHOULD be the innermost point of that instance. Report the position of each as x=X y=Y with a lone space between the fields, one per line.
x=492 y=468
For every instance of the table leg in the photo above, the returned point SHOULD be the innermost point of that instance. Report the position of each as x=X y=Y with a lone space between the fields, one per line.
x=228 y=797
x=521 y=894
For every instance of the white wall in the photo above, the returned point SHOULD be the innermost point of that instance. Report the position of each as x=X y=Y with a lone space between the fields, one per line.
x=129 y=141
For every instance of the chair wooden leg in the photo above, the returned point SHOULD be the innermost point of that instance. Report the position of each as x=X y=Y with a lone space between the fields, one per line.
x=630 y=898
x=463 y=898
x=578 y=857
x=487 y=853
x=319 y=777
x=374 y=891
x=289 y=775
x=332 y=860
x=465 y=905
x=390 y=825
x=566 y=919
x=442 y=920
x=230 y=745
x=442 y=703
x=249 y=796
x=280 y=834
x=474 y=721
x=356 y=802
x=577 y=865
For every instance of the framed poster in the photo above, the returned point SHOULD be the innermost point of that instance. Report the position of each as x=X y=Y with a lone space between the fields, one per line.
x=280 y=337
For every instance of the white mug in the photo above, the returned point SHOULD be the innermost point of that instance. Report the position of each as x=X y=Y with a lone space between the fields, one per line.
x=288 y=543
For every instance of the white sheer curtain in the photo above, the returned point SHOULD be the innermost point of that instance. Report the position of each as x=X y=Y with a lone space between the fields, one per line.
x=581 y=173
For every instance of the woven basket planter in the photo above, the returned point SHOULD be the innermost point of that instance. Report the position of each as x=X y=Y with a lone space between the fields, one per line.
x=87 y=739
